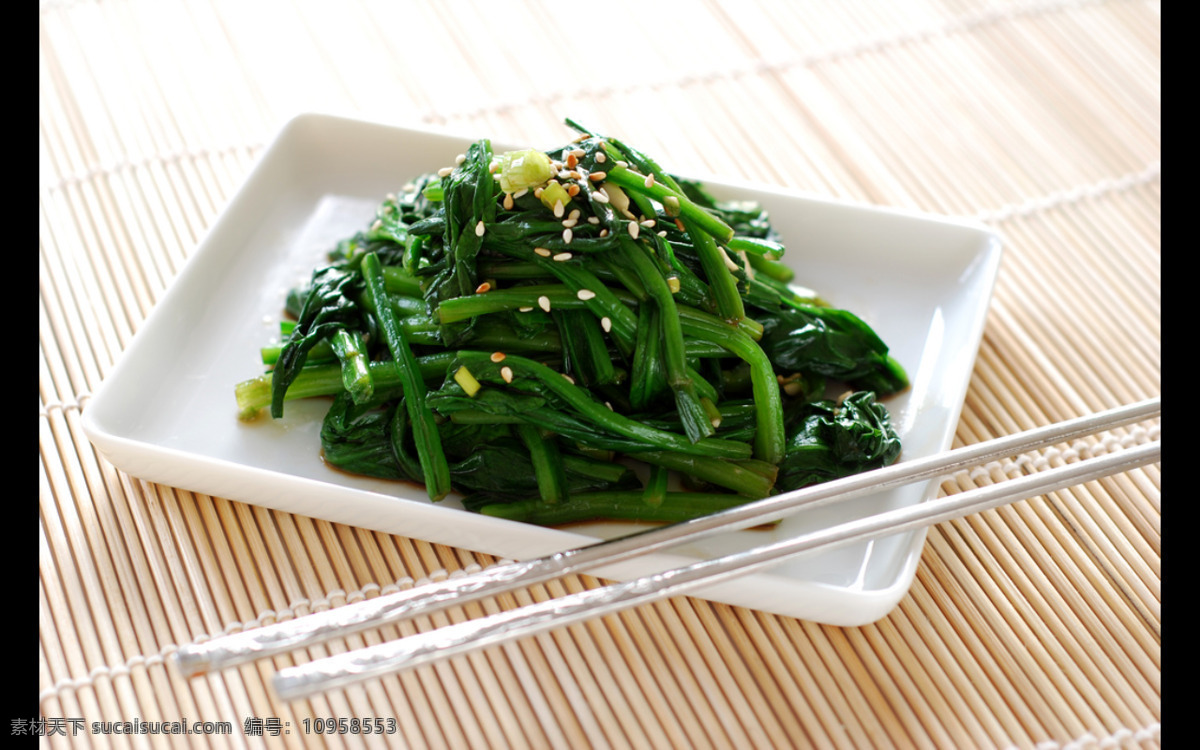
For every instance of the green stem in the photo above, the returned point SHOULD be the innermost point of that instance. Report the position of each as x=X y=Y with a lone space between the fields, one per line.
x=748 y=480
x=398 y=280
x=756 y=246
x=598 y=415
x=351 y=351
x=696 y=422
x=772 y=269
x=664 y=193
x=576 y=277
x=770 y=437
x=547 y=464
x=720 y=279
x=647 y=379
x=254 y=395
x=428 y=442
x=625 y=505
x=655 y=490
x=500 y=300
x=585 y=349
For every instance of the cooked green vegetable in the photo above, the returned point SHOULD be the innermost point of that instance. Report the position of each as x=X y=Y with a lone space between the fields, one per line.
x=828 y=440
x=525 y=327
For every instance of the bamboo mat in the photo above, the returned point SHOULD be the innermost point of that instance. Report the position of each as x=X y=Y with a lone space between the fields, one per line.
x=1032 y=626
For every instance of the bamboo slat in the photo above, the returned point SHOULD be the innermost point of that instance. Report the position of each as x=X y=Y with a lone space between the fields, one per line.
x=1031 y=626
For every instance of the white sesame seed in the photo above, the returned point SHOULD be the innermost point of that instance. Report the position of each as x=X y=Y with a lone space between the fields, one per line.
x=561 y=257
x=609 y=405
x=460 y=158
x=648 y=223
x=542 y=252
x=568 y=223
x=567 y=235
x=523 y=308
x=574 y=215
x=506 y=373
x=622 y=163
x=558 y=209
x=585 y=294
x=600 y=158
x=663 y=233
x=593 y=220
x=603 y=232
x=570 y=379
x=520 y=193
x=746 y=265
x=606 y=323
x=601 y=196
x=544 y=303
x=479 y=228
x=649 y=181
x=633 y=229
x=376 y=225
x=728 y=261
x=444 y=171
x=579 y=153
x=391 y=197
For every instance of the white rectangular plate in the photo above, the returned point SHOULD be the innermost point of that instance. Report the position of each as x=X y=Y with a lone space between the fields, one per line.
x=167 y=413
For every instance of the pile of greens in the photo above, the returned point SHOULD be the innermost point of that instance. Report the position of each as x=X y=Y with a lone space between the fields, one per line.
x=509 y=327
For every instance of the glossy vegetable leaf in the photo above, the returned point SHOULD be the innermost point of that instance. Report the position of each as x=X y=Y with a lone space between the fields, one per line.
x=330 y=306
x=827 y=440
x=833 y=343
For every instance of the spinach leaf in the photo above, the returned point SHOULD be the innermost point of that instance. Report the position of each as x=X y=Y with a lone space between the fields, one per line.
x=833 y=343
x=828 y=440
x=329 y=306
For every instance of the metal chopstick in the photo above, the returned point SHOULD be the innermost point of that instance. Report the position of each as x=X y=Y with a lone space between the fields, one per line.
x=238 y=648
x=406 y=653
